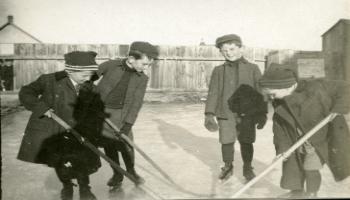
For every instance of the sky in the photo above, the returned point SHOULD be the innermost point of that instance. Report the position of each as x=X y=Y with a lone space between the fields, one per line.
x=275 y=24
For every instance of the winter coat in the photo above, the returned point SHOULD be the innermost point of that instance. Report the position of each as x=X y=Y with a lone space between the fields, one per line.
x=311 y=102
x=112 y=72
x=44 y=140
x=251 y=108
x=248 y=73
x=220 y=90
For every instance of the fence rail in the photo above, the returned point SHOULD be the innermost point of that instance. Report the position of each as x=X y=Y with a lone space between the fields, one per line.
x=178 y=68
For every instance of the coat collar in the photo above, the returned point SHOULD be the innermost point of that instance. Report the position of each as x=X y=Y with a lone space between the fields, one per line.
x=60 y=75
x=240 y=61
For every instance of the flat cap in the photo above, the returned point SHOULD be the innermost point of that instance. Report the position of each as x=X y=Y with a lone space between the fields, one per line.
x=228 y=38
x=145 y=47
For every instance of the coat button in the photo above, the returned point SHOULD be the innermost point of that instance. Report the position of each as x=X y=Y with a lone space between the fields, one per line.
x=57 y=96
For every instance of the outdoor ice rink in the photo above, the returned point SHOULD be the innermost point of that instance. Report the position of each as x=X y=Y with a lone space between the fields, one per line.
x=173 y=135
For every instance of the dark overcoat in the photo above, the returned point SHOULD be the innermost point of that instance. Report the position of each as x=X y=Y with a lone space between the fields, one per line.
x=44 y=140
x=112 y=72
x=311 y=102
x=250 y=106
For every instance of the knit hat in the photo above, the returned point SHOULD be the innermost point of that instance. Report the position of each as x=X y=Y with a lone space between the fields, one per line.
x=278 y=76
x=80 y=61
x=228 y=38
x=145 y=48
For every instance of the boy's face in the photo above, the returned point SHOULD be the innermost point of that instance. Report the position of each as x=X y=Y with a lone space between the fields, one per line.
x=81 y=77
x=140 y=64
x=231 y=51
x=278 y=93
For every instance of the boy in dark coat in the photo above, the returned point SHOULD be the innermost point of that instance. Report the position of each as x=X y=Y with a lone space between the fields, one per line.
x=225 y=79
x=122 y=88
x=299 y=106
x=68 y=94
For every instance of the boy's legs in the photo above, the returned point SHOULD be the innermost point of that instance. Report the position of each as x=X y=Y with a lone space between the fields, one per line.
x=66 y=174
x=111 y=151
x=65 y=178
x=112 y=147
x=247 y=152
x=84 y=188
x=246 y=137
x=312 y=176
x=227 y=137
x=313 y=182
x=227 y=151
x=312 y=165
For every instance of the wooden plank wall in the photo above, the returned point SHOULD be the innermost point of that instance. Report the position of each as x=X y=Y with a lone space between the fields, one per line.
x=179 y=68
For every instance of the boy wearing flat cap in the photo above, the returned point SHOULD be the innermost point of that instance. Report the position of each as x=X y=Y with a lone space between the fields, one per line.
x=225 y=79
x=122 y=89
x=67 y=93
x=299 y=105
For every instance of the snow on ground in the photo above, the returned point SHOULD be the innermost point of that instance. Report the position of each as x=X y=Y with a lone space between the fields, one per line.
x=173 y=135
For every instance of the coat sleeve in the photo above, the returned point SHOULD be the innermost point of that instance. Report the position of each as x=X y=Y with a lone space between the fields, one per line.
x=29 y=96
x=257 y=75
x=213 y=93
x=339 y=91
x=103 y=68
x=280 y=139
x=136 y=102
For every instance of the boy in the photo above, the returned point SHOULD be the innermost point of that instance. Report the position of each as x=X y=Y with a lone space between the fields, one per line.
x=46 y=142
x=225 y=79
x=122 y=89
x=298 y=107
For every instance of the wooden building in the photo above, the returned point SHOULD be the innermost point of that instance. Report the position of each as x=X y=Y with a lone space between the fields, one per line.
x=336 y=48
x=307 y=64
x=11 y=34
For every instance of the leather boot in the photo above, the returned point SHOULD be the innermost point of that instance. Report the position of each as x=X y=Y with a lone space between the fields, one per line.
x=226 y=171
x=67 y=191
x=115 y=181
x=84 y=188
x=312 y=195
x=296 y=194
x=85 y=193
x=138 y=178
x=248 y=172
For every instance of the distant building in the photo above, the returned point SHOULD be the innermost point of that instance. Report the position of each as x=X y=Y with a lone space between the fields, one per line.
x=307 y=64
x=336 y=48
x=11 y=34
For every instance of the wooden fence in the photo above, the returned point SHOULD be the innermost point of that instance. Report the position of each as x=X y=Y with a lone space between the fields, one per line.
x=179 y=68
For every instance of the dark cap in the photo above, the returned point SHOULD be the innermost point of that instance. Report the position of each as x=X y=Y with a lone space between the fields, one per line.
x=80 y=61
x=144 y=47
x=278 y=76
x=228 y=38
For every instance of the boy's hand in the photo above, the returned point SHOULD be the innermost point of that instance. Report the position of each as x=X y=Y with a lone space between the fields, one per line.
x=210 y=123
x=48 y=113
x=334 y=115
x=279 y=156
x=261 y=121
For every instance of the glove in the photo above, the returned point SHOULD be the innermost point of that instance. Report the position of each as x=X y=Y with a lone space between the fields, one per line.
x=260 y=121
x=279 y=156
x=210 y=123
x=126 y=128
